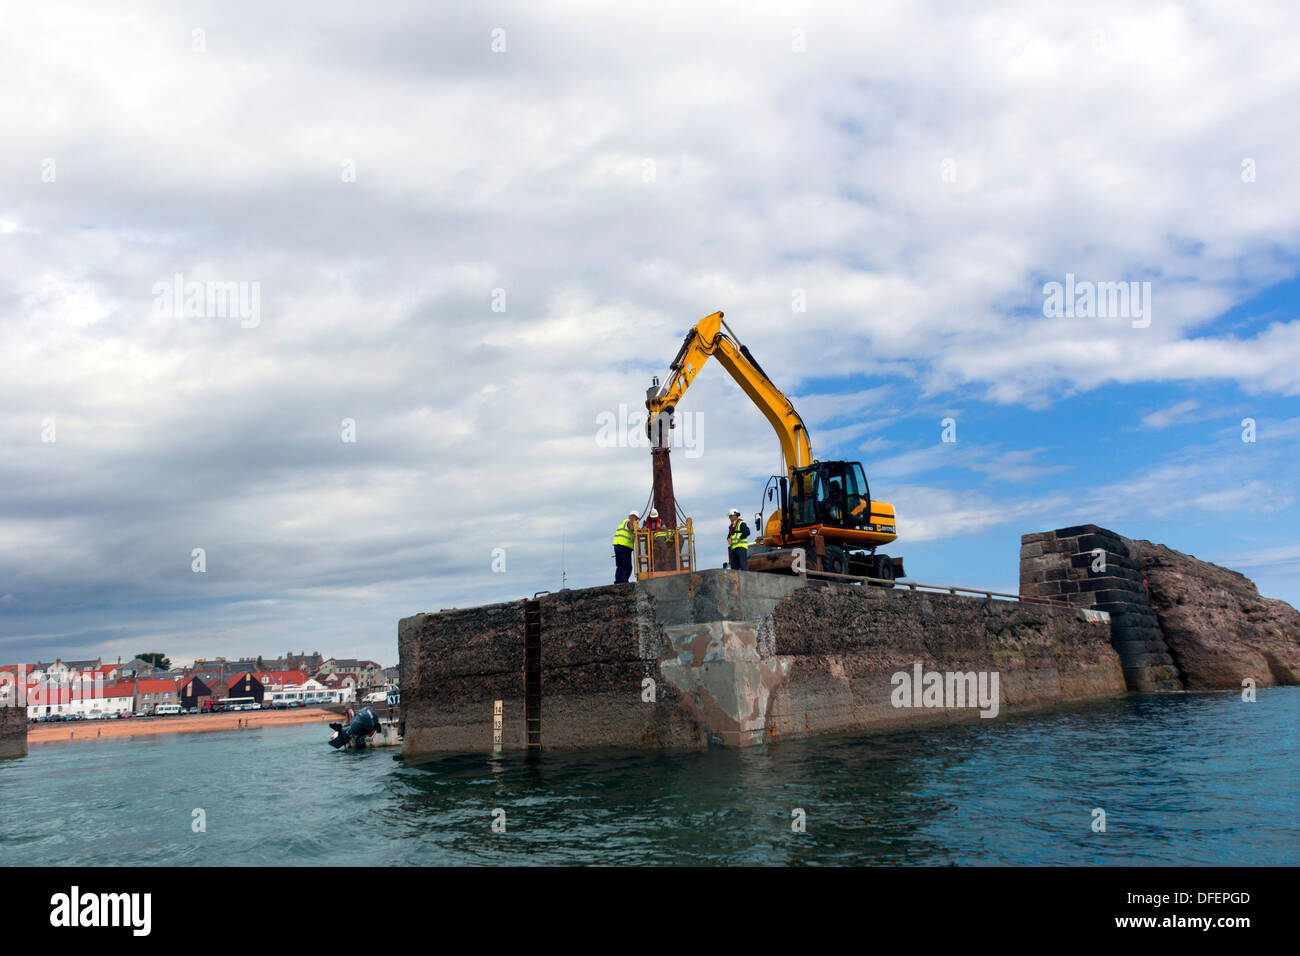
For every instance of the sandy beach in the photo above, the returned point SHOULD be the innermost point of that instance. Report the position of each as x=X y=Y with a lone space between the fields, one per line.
x=194 y=723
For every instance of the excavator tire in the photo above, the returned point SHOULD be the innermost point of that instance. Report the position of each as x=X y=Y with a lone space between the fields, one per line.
x=884 y=569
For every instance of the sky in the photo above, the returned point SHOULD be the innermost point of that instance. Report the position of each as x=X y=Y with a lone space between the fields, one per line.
x=342 y=295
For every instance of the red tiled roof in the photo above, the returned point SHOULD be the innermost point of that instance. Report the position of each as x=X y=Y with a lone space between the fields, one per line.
x=271 y=678
x=155 y=686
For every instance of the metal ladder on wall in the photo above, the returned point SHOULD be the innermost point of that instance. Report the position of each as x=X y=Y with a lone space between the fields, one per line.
x=533 y=670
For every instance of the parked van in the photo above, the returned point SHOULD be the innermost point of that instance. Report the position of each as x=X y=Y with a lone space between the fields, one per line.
x=164 y=710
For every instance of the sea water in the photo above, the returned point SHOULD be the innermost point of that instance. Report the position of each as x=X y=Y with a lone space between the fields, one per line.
x=1178 y=778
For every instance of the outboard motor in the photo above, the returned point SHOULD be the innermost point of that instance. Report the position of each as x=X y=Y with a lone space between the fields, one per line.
x=362 y=726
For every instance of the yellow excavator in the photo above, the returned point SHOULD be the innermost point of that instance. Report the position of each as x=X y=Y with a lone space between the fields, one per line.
x=823 y=509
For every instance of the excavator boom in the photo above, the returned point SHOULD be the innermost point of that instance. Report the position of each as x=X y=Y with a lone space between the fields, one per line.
x=708 y=338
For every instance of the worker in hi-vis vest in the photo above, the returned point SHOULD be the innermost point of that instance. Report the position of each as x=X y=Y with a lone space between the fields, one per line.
x=656 y=524
x=624 y=539
x=737 y=545
x=660 y=533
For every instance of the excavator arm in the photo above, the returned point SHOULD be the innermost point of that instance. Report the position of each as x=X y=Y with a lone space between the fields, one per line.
x=712 y=337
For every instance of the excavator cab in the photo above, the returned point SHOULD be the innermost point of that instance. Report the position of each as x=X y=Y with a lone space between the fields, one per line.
x=830 y=493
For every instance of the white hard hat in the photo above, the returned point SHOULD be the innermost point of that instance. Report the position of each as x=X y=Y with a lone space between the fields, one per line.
x=633 y=514
x=734 y=511
x=654 y=513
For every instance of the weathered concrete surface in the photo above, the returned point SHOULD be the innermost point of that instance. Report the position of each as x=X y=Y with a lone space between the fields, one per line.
x=718 y=597
x=730 y=658
x=1218 y=628
x=846 y=643
x=453 y=665
x=13 y=731
x=1091 y=567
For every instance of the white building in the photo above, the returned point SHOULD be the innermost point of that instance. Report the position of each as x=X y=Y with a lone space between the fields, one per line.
x=311 y=692
x=83 y=700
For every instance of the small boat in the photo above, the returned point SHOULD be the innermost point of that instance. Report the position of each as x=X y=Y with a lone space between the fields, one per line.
x=365 y=729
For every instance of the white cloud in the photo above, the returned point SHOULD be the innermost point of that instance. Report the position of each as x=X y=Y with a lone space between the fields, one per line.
x=1176 y=414
x=526 y=171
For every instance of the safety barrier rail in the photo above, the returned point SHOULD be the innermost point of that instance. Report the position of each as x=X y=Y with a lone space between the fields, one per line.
x=950 y=589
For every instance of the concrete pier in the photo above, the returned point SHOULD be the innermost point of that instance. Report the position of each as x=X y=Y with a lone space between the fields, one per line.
x=731 y=658
x=735 y=658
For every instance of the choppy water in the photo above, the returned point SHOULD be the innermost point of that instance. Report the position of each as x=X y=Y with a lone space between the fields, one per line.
x=1184 y=779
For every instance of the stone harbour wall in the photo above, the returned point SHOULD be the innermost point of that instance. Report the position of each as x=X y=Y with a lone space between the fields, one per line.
x=13 y=731
x=846 y=643
x=1176 y=622
x=1091 y=567
x=732 y=658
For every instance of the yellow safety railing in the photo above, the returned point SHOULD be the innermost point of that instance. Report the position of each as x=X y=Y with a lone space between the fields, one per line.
x=665 y=552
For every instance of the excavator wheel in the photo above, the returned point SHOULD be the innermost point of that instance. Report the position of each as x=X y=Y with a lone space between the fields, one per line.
x=884 y=569
x=835 y=563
